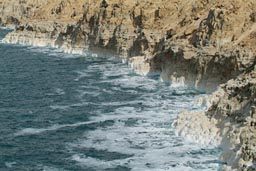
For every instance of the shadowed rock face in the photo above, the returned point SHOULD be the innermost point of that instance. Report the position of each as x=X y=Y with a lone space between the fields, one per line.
x=235 y=115
x=201 y=43
x=229 y=122
x=207 y=36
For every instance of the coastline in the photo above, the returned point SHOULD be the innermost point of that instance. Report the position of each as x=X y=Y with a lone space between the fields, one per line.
x=227 y=72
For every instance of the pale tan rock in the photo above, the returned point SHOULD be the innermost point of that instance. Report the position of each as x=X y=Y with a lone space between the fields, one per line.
x=201 y=43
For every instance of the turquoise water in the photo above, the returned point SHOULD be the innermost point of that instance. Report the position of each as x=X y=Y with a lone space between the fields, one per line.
x=61 y=112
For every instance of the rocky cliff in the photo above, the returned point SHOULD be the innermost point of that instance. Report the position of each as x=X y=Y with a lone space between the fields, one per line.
x=199 y=43
x=229 y=122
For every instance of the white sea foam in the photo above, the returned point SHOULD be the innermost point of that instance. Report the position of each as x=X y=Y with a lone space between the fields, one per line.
x=141 y=126
x=32 y=131
x=7 y=28
x=59 y=91
x=134 y=82
x=60 y=107
x=82 y=74
x=178 y=82
x=84 y=94
x=56 y=91
x=144 y=132
x=10 y=164
x=47 y=49
x=46 y=168
x=95 y=163
x=150 y=140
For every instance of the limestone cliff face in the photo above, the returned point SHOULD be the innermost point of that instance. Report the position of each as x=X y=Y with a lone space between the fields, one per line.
x=200 y=43
x=229 y=122
x=204 y=43
x=235 y=112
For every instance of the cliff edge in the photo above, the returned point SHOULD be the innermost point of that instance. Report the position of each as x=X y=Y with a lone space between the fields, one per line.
x=208 y=45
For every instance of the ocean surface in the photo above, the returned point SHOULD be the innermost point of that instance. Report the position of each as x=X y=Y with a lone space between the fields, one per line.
x=61 y=112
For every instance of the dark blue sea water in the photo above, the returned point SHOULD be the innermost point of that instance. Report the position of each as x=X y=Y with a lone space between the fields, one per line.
x=61 y=112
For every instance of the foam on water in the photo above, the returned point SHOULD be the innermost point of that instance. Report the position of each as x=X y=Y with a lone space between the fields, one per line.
x=7 y=28
x=150 y=141
x=128 y=123
x=10 y=164
x=144 y=133
x=82 y=74
x=60 y=107
x=31 y=131
x=46 y=168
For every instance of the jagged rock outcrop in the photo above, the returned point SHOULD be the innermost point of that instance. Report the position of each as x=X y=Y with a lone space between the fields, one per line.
x=229 y=122
x=237 y=107
x=159 y=32
x=198 y=43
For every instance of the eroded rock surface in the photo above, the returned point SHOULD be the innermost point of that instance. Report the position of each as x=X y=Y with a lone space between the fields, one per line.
x=200 y=43
x=235 y=113
x=205 y=42
x=230 y=122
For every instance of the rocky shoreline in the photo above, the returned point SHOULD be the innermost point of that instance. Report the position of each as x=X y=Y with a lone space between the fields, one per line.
x=208 y=45
x=229 y=122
